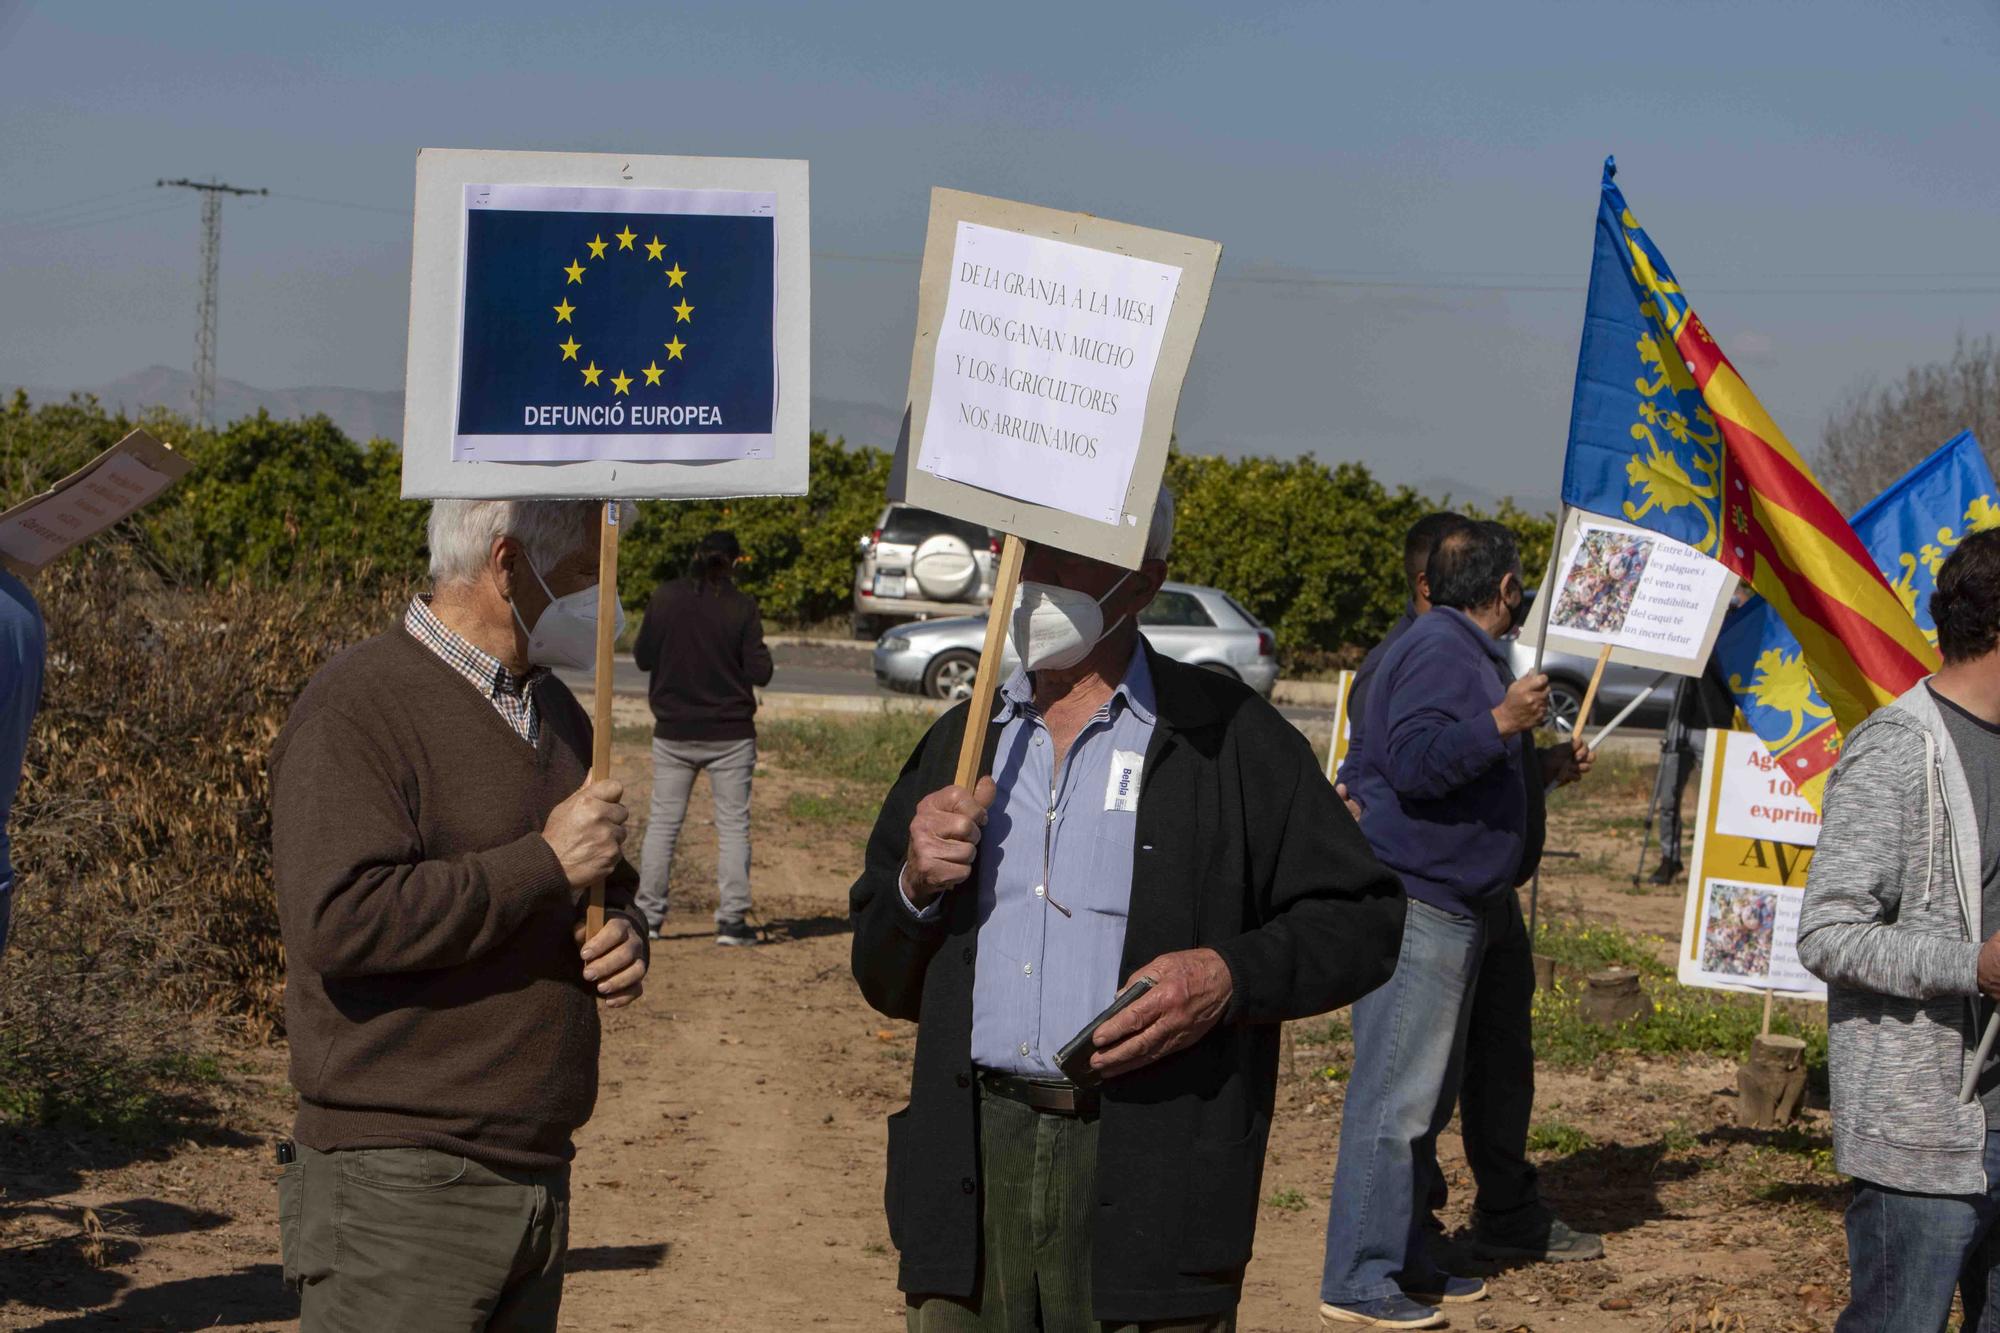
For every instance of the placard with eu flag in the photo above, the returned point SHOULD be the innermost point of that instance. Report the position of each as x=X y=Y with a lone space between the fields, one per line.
x=616 y=324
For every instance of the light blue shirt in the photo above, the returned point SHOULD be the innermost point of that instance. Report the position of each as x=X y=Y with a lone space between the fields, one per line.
x=1054 y=876
x=22 y=645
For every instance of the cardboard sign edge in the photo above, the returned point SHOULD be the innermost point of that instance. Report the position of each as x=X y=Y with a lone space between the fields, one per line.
x=1115 y=543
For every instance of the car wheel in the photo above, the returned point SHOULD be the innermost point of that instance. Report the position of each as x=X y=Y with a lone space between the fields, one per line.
x=1565 y=702
x=951 y=673
x=1227 y=673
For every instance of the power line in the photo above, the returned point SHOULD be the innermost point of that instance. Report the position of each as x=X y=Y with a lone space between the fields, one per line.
x=211 y=260
x=41 y=210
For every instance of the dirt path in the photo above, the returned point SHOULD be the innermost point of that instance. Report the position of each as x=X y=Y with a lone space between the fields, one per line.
x=732 y=1177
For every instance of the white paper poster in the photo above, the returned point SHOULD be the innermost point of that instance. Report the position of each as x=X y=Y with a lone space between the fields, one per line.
x=1043 y=365
x=1748 y=938
x=1757 y=800
x=1638 y=590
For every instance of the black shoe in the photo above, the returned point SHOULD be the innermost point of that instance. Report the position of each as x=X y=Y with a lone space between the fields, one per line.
x=1534 y=1234
x=1667 y=872
x=736 y=934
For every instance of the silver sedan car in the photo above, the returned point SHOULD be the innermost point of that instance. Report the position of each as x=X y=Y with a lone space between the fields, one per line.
x=1203 y=627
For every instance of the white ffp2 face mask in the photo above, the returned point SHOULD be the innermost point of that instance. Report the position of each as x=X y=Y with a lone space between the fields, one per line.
x=1054 y=628
x=565 y=634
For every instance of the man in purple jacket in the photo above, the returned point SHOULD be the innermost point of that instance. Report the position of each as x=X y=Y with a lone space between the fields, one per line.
x=1450 y=786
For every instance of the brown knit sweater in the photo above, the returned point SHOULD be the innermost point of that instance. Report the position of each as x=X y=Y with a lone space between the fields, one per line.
x=434 y=994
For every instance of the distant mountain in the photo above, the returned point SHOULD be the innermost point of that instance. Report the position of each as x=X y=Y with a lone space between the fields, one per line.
x=366 y=414
x=363 y=414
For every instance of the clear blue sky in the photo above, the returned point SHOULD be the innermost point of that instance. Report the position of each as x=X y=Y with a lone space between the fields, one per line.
x=1823 y=176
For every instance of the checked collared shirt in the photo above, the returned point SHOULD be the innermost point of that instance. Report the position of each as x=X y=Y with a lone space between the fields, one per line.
x=512 y=696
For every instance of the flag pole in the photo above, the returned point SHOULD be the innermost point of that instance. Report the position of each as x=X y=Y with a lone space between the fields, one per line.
x=1546 y=595
x=1965 y=1089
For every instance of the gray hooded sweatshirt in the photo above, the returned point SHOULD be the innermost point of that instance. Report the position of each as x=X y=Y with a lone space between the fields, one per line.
x=1891 y=923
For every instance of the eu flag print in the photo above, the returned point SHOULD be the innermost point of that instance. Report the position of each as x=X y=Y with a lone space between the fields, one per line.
x=616 y=325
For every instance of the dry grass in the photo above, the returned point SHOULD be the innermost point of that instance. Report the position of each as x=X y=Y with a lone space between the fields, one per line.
x=142 y=830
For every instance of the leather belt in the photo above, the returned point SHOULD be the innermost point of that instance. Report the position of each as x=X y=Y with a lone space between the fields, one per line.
x=1051 y=1096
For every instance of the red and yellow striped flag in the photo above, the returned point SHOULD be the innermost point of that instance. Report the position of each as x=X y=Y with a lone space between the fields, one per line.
x=1665 y=433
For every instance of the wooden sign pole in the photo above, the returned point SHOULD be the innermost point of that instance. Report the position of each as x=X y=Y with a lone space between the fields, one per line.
x=972 y=751
x=600 y=712
x=1590 y=691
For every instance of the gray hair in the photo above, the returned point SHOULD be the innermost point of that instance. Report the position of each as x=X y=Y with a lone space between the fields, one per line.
x=1160 y=533
x=462 y=532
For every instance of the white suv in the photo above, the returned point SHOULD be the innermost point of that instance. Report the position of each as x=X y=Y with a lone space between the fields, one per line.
x=917 y=564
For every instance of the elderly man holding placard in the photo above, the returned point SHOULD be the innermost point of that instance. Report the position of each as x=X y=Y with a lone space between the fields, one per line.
x=584 y=328
x=1151 y=827
x=434 y=832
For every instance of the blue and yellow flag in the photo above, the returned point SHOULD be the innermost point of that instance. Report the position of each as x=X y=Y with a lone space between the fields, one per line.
x=611 y=324
x=1908 y=529
x=1665 y=433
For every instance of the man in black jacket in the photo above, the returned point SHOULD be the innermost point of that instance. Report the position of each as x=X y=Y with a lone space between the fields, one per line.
x=1145 y=819
x=703 y=643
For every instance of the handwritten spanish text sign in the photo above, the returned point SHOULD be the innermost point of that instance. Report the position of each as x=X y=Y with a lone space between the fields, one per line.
x=1043 y=364
x=1050 y=352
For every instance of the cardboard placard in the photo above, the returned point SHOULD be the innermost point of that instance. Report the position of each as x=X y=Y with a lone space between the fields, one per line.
x=123 y=479
x=1343 y=723
x=1657 y=602
x=1740 y=922
x=1050 y=352
x=591 y=325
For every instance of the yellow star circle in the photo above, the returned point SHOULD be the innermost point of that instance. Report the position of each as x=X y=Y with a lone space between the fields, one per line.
x=575 y=271
x=570 y=348
x=591 y=372
x=674 y=349
x=683 y=311
x=625 y=238
x=652 y=373
x=655 y=248
x=597 y=245
x=563 y=311
x=621 y=383
x=675 y=274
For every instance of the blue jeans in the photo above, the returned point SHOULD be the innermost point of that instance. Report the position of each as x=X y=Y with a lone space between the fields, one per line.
x=1409 y=1048
x=1906 y=1253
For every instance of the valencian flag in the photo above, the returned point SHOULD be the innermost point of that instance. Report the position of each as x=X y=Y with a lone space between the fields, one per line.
x=597 y=326
x=1908 y=529
x=1666 y=434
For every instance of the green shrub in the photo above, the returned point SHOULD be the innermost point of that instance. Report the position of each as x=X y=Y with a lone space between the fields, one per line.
x=1311 y=549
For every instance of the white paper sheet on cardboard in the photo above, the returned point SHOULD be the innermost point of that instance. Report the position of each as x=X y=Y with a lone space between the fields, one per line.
x=1043 y=365
x=124 y=478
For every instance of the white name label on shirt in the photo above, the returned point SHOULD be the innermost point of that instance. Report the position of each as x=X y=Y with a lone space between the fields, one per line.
x=1122 y=791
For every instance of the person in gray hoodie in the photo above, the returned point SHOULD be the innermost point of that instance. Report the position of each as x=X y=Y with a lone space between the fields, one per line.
x=1898 y=920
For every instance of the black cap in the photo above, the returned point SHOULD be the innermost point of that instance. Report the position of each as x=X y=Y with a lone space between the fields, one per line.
x=722 y=542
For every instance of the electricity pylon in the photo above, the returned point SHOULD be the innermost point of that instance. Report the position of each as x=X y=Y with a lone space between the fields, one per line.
x=211 y=259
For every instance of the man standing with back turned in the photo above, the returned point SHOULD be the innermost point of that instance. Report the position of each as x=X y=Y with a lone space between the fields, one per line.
x=1450 y=786
x=1144 y=819
x=1904 y=886
x=1497 y=1088
x=434 y=833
